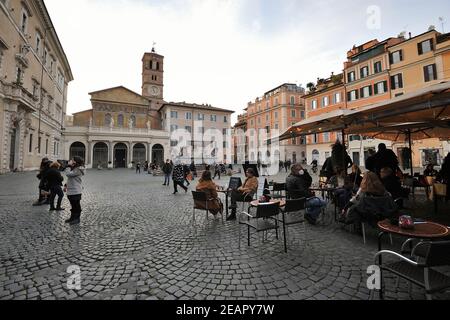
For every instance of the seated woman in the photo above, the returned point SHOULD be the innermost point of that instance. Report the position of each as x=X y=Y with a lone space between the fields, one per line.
x=352 y=182
x=372 y=203
x=430 y=171
x=206 y=185
x=338 y=180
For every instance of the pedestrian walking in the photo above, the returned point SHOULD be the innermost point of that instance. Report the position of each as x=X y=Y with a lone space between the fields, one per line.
x=178 y=178
x=74 y=188
x=187 y=174
x=54 y=180
x=167 y=170
x=138 y=168
x=217 y=171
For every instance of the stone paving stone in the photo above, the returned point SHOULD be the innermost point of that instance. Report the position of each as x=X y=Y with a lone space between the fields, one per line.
x=141 y=246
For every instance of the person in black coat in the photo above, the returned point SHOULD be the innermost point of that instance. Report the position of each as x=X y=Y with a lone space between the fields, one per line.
x=393 y=185
x=43 y=186
x=385 y=158
x=54 y=180
x=298 y=183
x=186 y=171
x=370 y=161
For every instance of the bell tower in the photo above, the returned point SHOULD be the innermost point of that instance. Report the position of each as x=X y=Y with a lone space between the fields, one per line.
x=153 y=82
x=153 y=76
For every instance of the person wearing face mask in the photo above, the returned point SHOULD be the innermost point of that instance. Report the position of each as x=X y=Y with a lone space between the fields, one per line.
x=74 y=172
x=297 y=186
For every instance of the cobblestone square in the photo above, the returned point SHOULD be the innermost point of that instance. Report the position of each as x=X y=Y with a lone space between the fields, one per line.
x=136 y=241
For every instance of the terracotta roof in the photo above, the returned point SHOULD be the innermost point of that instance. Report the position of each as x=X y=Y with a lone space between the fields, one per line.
x=195 y=106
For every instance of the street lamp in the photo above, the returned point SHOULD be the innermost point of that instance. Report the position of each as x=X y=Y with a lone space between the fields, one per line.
x=43 y=62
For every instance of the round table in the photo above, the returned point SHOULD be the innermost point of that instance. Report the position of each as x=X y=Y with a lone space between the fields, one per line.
x=425 y=230
x=422 y=230
x=256 y=203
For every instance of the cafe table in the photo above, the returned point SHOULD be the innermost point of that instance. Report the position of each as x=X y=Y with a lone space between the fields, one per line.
x=227 y=193
x=426 y=230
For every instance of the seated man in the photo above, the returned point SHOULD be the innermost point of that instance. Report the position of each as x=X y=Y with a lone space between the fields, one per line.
x=297 y=186
x=244 y=193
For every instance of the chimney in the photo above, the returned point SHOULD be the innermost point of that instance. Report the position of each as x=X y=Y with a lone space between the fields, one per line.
x=410 y=36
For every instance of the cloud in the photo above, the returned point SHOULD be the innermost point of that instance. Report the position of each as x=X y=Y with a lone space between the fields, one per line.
x=221 y=52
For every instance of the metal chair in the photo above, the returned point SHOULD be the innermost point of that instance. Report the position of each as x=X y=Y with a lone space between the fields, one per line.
x=278 y=190
x=418 y=268
x=264 y=220
x=201 y=197
x=293 y=213
x=248 y=198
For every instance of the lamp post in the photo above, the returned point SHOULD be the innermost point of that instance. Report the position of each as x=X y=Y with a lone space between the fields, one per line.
x=43 y=62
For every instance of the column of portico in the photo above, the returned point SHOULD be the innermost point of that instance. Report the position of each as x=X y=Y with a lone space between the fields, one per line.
x=111 y=153
x=149 y=152
x=90 y=153
x=130 y=152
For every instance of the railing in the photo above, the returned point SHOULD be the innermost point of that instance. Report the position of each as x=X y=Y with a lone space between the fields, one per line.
x=107 y=130
x=18 y=92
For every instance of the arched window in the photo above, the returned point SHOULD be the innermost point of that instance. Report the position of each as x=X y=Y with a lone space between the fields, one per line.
x=120 y=120
x=108 y=119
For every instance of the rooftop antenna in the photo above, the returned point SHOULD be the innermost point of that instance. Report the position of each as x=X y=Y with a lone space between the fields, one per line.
x=442 y=20
x=153 y=47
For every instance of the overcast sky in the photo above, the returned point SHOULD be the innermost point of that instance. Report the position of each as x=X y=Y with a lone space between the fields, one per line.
x=224 y=52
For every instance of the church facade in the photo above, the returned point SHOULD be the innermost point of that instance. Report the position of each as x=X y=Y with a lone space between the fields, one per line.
x=123 y=127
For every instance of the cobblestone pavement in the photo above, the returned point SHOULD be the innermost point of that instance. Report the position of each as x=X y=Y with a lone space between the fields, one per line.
x=136 y=241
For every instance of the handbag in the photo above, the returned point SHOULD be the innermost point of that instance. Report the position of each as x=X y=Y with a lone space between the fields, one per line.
x=440 y=189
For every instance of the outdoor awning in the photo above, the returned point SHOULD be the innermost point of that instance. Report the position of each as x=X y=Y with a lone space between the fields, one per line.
x=329 y=122
x=401 y=132
x=426 y=106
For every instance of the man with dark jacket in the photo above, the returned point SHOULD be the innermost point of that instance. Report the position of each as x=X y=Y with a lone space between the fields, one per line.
x=298 y=183
x=385 y=158
x=54 y=181
x=370 y=162
x=167 y=170
x=297 y=186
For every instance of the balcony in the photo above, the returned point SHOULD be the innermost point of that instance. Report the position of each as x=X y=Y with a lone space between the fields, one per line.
x=18 y=93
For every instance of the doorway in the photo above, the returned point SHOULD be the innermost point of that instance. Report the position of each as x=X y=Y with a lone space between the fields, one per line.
x=120 y=155
x=158 y=154
x=12 y=151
